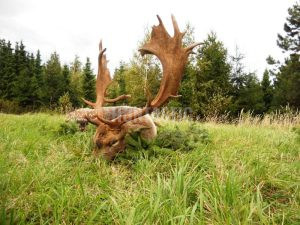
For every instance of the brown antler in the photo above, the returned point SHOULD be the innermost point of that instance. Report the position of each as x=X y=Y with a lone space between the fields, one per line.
x=102 y=82
x=173 y=58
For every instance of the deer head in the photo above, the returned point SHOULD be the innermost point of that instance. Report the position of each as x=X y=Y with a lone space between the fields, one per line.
x=102 y=82
x=110 y=134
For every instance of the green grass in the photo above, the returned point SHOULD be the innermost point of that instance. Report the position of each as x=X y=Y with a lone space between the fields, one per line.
x=226 y=174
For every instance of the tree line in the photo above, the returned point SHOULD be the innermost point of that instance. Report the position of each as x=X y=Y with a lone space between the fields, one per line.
x=214 y=82
x=30 y=84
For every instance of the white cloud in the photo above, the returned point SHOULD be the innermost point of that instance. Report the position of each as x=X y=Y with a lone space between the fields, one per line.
x=75 y=27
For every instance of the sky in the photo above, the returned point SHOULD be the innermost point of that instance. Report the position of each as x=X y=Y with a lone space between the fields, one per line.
x=74 y=27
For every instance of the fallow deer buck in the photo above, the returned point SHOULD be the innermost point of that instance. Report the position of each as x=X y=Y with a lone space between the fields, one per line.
x=113 y=123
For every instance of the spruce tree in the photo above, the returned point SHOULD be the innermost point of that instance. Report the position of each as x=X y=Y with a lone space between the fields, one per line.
x=251 y=96
x=287 y=80
x=267 y=90
x=291 y=40
x=24 y=70
x=118 y=86
x=119 y=77
x=7 y=71
x=88 y=82
x=39 y=69
x=66 y=76
x=212 y=84
x=76 y=82
x=53 y=85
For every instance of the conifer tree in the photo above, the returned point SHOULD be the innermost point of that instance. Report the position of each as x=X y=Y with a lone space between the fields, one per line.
x=212 y=78
x=251 y=96
x=25 y=72
x=39 y=69
x=7 y=72
x=66 y=76
x=76 y=82
x=89 y=81
x=287 y=80
x=118 y=86
x=53 y=87
x=267 y=90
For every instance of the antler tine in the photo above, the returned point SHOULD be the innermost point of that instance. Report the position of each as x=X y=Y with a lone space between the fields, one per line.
x=190 y=48
x=100 y=45
x=92 y=104
x=176 y=28
x=159 y=20
x=92 y=121
x=121 y=97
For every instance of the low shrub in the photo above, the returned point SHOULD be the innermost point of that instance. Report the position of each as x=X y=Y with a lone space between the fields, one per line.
x=7 y=106
x=179 y=139
x=168 y=140
x=68 y=128
x=297 y=131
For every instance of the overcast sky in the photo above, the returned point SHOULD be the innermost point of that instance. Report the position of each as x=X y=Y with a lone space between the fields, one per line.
x=75 y=26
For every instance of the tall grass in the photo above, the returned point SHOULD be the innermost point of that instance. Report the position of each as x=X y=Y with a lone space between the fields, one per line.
x=283 y=117
x=226 y=174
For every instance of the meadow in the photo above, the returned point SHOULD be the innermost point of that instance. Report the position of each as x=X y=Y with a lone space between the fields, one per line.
x=193 y=173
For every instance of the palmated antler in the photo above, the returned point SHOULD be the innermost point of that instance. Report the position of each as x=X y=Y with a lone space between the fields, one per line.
x=102 y=82
x=173 y=58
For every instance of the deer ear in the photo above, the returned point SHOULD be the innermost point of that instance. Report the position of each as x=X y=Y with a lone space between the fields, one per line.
x=130 y=127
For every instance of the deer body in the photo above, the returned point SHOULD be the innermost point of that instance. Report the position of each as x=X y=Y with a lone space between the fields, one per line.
x=144 y=124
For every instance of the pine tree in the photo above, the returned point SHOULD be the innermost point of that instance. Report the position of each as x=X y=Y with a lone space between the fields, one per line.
x=24 y=71
x=287 y=82
x=291 y=41
x=34 y=88
x=66 y=76
x=53 y=85
x=119 y=77
x=238 y=76
x=7 y=72
x=3 y=59
x=267 y=90
x=89 y=82
x=39 y=69
x=118 y=85
x=251 y=96
x=212 y=78
x=76 y=89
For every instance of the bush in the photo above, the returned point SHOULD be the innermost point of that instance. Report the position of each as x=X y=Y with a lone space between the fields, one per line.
x=179 y=139
x=168 y=140
x=65 y=104
x=297 y=131
x=7 y=106
x=68 y=128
